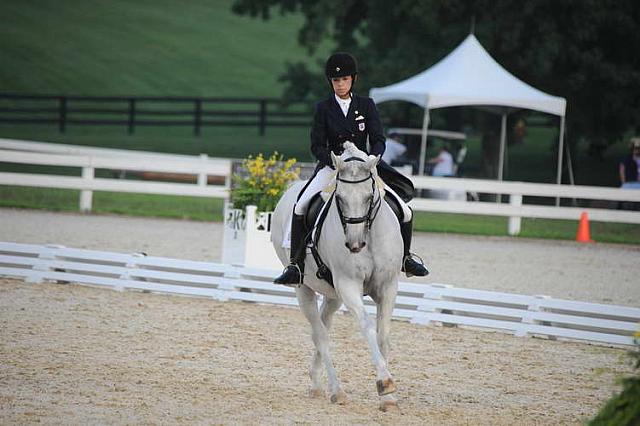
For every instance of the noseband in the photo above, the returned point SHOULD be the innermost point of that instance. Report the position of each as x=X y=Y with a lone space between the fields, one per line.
x=374 y=205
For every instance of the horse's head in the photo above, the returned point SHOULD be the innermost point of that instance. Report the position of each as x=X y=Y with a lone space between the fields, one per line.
x=357 y=197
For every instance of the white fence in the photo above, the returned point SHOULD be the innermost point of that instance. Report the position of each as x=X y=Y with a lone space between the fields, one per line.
x=419 y=303
x=89 y=159
x=515 y=210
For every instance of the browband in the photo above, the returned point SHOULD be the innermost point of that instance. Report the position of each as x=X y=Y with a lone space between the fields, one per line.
x=354 y=159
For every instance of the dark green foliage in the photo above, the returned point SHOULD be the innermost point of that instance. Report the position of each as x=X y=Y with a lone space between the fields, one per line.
x=623 y=409
x=585 y=51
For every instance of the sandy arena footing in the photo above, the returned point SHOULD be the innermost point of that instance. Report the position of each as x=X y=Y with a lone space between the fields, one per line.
x=81 y=355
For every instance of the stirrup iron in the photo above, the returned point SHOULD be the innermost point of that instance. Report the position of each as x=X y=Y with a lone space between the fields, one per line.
x=420 y=262
x=300 y=275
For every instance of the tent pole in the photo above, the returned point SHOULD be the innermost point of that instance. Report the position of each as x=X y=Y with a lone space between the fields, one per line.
x=423 y=145
x=560 y=152
x=569 y=164
x=570 y=170
x=503 y=137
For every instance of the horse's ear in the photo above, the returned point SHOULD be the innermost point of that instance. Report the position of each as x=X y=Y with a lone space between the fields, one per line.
x=372 y=162
x=337 y=162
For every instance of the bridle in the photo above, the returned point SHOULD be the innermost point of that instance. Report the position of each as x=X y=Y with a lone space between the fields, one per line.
x=374 y=202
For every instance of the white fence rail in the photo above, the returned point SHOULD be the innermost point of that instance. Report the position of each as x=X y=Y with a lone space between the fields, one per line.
x=515 y=209
x=419 y=303
x=89 y=159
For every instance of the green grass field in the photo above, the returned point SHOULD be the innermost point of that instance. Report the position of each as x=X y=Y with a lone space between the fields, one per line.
x=160 y=47
x=194 y=208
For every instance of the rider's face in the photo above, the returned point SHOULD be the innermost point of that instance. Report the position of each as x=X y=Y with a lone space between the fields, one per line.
x=342 y=86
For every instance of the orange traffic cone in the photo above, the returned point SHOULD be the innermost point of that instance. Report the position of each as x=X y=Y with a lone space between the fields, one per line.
x=583 y=235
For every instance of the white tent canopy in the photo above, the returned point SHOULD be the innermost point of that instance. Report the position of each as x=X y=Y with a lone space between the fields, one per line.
x=470 y=76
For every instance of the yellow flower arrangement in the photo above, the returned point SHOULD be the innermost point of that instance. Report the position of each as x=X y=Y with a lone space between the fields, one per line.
x=264 y=183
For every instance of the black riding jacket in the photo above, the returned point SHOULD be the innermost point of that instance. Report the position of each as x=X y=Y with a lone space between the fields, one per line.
x=331 y=129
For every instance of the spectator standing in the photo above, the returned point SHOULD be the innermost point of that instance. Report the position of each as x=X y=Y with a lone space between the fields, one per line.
x=443 y=163
x=394 y=148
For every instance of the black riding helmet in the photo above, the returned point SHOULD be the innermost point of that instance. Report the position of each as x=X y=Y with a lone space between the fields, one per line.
x=339 y=65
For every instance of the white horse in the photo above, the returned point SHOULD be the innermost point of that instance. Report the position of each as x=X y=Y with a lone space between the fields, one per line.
x=361 y=244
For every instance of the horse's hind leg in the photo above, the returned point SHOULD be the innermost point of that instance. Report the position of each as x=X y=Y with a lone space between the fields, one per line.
x=319 y=333
x=353 y=300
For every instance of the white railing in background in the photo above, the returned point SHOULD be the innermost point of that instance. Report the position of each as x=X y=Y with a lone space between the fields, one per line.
x=88 y=158
x=419 y=303
x=515 y=210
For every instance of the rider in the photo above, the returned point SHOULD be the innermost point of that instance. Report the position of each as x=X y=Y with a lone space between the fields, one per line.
x=343 y=117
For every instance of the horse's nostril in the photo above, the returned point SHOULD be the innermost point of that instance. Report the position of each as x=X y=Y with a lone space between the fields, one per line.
x=363 y=244
x=347 y=246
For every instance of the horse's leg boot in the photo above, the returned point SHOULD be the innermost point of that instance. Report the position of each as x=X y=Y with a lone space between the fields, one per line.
x=410 y=266
x=294 y=272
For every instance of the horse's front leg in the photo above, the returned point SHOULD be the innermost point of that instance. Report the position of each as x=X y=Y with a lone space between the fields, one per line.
x=320 y=336
x=328 y=308
x=351 y=295
x=385 y=303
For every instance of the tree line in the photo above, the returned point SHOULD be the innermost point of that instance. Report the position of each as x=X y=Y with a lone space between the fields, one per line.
x=583 y=50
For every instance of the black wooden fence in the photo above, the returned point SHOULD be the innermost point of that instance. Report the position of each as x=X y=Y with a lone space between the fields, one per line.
x=134 y=111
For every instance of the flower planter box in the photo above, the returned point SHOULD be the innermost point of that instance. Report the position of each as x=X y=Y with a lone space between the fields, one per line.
x=247 y=238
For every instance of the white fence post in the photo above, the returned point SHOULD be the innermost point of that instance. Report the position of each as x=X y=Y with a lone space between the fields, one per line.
x=86 y=196
x=202 y=176
x=514 y=221
x=250 y=223
x=259 y=251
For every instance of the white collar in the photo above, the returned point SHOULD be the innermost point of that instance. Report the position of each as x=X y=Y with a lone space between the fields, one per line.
x=343 y=103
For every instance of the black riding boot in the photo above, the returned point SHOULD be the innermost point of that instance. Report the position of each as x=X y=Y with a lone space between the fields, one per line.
x=294 y=273
x=410 y=266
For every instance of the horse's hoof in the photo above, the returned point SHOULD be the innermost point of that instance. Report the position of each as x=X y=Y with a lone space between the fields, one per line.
x=389 y=407
x=316 y=393
x=339 y=397
x=386 y=386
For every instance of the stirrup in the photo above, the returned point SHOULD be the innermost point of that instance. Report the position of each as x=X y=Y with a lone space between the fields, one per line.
x=420 y=263
x=300 y=274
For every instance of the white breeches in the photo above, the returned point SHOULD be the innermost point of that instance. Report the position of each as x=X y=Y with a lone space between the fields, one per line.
x=320 y=182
